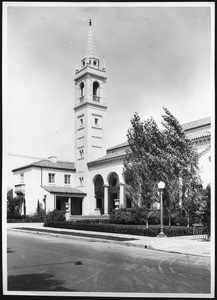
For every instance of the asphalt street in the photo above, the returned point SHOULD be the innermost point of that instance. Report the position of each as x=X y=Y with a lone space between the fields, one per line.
x=47 y=263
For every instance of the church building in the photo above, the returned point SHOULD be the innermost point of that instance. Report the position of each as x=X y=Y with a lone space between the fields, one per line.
x=93 y=184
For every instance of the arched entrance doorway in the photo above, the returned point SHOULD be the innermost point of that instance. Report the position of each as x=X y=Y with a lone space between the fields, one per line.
x=99 y=193
x=113 y=190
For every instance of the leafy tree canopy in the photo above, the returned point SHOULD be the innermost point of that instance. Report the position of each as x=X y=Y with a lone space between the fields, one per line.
x=154 y=156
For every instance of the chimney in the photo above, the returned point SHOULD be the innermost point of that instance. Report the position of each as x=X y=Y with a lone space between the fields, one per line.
x=53 y=159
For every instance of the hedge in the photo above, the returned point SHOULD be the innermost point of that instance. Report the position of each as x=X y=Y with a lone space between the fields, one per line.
x=136 y=216
x=115 y=229
x=27 y=219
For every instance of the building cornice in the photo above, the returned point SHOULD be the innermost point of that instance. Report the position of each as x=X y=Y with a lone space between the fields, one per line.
x=94 y=73
x=90 y=104
x=106 y=161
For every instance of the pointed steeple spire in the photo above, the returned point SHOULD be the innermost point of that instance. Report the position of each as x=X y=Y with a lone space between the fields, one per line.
x=91 y=48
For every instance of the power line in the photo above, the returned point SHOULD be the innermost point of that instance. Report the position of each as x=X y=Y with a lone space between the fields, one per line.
x=25 y=156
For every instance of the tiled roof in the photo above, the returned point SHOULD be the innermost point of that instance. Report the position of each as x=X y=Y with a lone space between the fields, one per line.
x=197 y=123
x=110 y=156
x=49 y=164
x=118 y=146
x=186 y=127
x=120 y=149
x=198 y=135
x=63 y=190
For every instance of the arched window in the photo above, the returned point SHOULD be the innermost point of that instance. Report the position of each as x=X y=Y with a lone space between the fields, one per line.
x=96 y=91
x=82 y=91
x=99 y=192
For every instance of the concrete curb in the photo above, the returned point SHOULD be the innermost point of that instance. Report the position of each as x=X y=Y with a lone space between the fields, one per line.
x=68 y=236
x=94 y=239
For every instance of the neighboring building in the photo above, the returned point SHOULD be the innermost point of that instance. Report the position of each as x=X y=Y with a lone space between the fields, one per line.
x=91 y=185
x=52 y=178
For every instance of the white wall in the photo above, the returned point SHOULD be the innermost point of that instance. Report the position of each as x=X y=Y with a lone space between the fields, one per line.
x=205 y=168
x=34 y=178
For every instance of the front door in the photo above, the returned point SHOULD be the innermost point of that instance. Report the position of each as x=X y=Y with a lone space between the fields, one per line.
x=76 y=206
x=58 y=204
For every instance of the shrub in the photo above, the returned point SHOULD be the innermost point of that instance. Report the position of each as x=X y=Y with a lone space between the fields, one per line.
x=121 y=216
x=92 y=221
x=27 y=219
x=153 y=232
x=14 y=207
x=125 y=216
x=138 y=216
x=178 y=231
x=154 y=218
x=55 y=216
x=103 y=228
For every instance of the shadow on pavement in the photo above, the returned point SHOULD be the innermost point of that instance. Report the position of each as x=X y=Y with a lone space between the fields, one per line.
x=36 y=282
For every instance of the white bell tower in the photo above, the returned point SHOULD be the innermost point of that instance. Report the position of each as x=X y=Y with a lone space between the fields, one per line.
x=89 y=111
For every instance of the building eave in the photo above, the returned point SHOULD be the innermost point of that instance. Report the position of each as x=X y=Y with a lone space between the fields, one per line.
x=106 y=161
x=44 y=167
x=63 y=190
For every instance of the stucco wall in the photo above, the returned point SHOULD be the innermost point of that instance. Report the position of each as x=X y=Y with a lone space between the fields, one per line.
x=34 y=178
x=205 y=168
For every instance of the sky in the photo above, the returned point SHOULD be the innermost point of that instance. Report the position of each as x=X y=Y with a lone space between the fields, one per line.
x=155 y=56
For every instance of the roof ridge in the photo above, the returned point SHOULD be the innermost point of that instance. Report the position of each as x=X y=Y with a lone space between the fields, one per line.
x=205 y=120
x=185 y=124
x=49 y=164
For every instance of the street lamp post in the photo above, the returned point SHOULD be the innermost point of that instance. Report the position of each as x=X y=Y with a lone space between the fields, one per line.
x=161 y=186
x=44 y=199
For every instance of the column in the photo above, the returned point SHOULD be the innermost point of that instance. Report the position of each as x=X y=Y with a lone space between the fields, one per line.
x=70 y=205
x=106 y=199
x=121 y=194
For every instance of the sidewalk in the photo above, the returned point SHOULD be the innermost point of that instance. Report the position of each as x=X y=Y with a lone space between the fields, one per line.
x=184 y=245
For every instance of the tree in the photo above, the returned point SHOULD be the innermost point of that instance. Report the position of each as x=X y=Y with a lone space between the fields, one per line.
x=39 y=210
x=143 y=162
x=14 y=207
x=183 y=181
x=206 y=209
x=155 y=156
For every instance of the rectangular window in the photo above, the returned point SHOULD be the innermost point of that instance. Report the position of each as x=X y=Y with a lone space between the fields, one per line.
x=51 y=178
x=67 y=179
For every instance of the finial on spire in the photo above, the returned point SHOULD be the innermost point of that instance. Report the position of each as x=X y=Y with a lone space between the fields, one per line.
x=90 y=22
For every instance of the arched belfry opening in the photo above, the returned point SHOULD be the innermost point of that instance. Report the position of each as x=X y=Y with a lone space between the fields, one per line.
x=113 y=190
x=96 y=91
x=99 y=192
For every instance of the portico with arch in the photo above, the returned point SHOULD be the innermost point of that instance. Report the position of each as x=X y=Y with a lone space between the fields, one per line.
x=108 y=186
